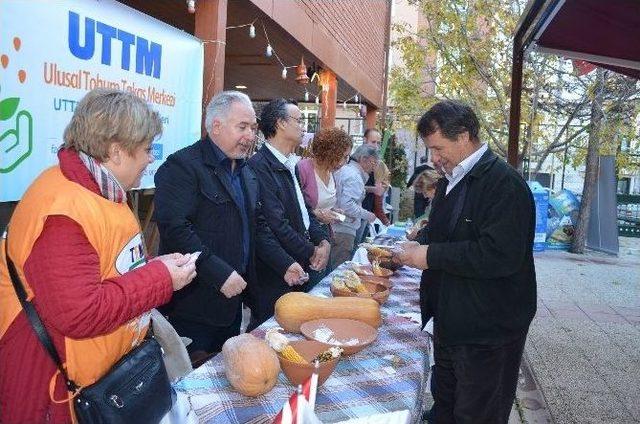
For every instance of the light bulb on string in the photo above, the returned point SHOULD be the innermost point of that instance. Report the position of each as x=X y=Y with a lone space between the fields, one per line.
x=306 y=96
x=356 y=99
x=269 y=51
x=317 y=100
x=191 y=6
x=284 y=73
x=252 y=31
x=344 y=105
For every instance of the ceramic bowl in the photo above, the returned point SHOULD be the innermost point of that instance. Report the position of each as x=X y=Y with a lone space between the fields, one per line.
x=349 y=334
x=309 y=350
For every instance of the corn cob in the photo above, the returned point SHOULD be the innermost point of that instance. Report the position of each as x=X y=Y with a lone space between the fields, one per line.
x=352 y=281
x=329 y=354
x=280 y=344
x=290 y=354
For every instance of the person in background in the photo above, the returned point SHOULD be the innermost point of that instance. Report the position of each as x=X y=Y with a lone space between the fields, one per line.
x=425 y=184
x=206 y=197
x=295 y=227
x=350 y=180
x=79 y=253
x=479 y=281
x=420 y=203
x=376 y=185
x=330 y=150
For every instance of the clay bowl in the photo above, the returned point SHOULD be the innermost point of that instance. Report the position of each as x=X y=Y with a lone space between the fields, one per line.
x=309 y=350
x=349 y=334
x=377 y=280
x=387 y=263
x=367 y=270
x=378 y=292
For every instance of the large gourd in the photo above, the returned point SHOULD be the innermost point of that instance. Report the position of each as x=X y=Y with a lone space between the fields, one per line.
x=295 y=308
x=251 y=366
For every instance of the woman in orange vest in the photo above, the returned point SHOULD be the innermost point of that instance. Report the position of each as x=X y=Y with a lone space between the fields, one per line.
x=78 y=249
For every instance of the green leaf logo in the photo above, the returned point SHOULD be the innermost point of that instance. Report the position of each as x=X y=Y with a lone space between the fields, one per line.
x=8 y=107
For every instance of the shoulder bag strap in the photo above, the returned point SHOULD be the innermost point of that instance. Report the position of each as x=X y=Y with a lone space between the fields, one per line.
x=34 y=318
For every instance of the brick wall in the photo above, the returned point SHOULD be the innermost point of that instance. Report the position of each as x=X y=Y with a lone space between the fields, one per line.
x=358 y=27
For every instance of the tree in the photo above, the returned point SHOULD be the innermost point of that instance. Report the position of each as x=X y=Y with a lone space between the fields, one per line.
x=464 y=52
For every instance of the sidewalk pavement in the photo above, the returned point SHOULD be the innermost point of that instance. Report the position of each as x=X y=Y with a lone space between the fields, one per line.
x=582 y=357
x=582 y=361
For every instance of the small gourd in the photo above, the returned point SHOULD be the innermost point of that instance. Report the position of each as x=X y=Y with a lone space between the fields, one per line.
x=250 y=365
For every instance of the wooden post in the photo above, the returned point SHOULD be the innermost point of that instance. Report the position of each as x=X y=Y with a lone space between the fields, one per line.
x=211 y=22
x=328 y=98
x=371 y=118
x=514 y=115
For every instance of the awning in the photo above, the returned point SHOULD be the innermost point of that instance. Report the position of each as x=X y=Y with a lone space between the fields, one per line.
x=604 y=33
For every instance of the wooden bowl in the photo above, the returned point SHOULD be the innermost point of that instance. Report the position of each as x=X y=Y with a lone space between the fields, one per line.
x=377 y=292
x=349 y=334
x=309 y=350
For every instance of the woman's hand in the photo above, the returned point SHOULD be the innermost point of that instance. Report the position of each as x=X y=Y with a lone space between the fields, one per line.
x=181 y=268
x=326 y=216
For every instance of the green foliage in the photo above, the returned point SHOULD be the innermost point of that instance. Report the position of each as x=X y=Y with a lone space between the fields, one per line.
x=465 y=51
x=396 y=160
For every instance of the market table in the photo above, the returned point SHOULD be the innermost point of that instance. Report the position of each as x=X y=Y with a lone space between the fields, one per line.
x=389 y=375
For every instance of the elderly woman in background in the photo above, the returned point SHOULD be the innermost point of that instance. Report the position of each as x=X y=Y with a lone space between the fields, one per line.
x=330 y=150
x=425 y=184
x=79 y=253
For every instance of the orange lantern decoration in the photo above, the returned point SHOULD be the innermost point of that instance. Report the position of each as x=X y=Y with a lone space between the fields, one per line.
x=301 y=73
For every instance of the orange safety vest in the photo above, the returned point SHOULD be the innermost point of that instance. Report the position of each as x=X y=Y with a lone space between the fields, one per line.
x=112 y=230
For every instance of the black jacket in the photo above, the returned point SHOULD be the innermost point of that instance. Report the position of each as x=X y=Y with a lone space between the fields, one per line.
x=196 y=211
x=485 y=271
x=282 y=213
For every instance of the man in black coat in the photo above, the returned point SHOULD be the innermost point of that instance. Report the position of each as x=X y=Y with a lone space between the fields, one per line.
x=479 y=279
x=208 y=201
x=296 y=228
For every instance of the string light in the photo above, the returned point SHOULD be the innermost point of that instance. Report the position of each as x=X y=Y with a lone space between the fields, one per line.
x=269 y=51
x=284 y=73
x=306 y=95
x=356 y=99
x=252 y=31
x=317 y=100
x=344 y=105
x=191 y=6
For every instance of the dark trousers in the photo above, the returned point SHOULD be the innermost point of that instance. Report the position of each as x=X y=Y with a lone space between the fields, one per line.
x=476 y=383
x=206 y=338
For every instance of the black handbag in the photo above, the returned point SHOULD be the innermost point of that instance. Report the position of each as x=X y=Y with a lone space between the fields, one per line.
x=135 y=390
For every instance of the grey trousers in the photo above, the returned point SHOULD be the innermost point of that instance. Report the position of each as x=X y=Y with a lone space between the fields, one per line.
x=342 y=249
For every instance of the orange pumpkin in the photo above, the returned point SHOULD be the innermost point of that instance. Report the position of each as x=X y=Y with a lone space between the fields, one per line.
x=250 y=365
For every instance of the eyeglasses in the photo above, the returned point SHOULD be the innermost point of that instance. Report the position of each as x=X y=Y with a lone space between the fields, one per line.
x=299 y=121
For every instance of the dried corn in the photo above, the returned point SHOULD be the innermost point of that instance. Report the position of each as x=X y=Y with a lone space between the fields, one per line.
x=280 y=344
x=290 y=354
x=353 y=282
x=329 y=354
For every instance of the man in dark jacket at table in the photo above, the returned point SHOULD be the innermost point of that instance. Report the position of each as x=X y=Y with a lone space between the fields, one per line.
x=479 y=279
x=299 y=232
x=207 y=200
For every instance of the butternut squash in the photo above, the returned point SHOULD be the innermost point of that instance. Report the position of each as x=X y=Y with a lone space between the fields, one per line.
x=295 y=308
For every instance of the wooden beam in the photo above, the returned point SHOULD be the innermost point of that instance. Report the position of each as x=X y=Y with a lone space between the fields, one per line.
x=211 y=23
x=328 y=98
x=372 y=117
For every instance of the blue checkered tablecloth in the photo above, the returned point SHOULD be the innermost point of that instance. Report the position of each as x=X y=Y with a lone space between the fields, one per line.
x=389 y=375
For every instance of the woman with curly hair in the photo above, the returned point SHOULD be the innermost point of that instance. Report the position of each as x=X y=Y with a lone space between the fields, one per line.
x=330 y=150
